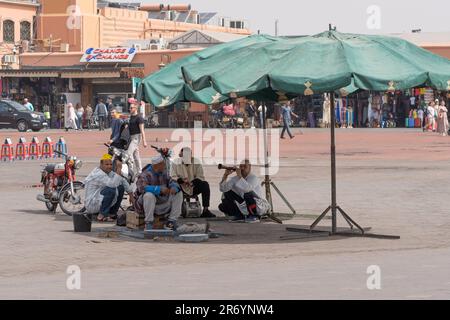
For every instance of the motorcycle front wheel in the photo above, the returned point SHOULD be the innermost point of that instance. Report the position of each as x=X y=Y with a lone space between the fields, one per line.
x=72 y=203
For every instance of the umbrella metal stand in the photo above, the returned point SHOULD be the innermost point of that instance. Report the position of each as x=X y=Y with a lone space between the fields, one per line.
x=334 y=207
x=267 y=182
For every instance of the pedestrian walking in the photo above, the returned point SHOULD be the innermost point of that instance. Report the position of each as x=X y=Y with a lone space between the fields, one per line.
x=286 y=112
x=251 y=111
x=28 y=105
x=47 y=116
x=109 y=107
x=116 y=125
x=442 y=121
x=88 y=113
x=142 y=109
x=72 y=118
x=137 y=135
x=430 y=117
x=420 y=115
x=326 y=111
x=436 y=114
x=101 y=113
x=79 y=111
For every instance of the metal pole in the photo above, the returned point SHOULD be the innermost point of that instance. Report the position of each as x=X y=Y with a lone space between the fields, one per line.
x=333 y=164
x=266 y=160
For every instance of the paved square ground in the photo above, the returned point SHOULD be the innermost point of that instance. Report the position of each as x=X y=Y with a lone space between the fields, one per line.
x=393 y=180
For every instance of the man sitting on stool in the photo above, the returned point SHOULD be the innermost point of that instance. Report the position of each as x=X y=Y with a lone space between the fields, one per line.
x=242 y=193
x=188 y=172
x=157 y=194
x=104 y=189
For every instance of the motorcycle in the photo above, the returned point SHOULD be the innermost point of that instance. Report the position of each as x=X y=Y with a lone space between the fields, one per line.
x=127 y=162
x=216 y=120
x=239 y=124
x=61 y=186
x=153 y=120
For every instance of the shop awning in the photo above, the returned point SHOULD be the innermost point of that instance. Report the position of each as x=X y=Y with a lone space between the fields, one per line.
x=28 y=74
x=77 y=72
x=90 y=74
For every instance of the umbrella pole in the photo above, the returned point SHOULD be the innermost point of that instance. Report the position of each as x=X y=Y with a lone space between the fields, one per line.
x=334 y=208
x=333 y=166
x=267 y=182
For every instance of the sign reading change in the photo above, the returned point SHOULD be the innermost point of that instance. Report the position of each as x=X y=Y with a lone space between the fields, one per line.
x=110 y=55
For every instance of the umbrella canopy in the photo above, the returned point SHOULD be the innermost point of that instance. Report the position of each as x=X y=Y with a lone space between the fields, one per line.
x=167 y=87
x=322 y=63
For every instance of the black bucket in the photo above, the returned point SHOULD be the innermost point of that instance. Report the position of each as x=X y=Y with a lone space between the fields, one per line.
x=82 y=222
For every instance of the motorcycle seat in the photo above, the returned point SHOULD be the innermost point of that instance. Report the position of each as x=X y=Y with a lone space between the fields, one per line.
x=50 y=168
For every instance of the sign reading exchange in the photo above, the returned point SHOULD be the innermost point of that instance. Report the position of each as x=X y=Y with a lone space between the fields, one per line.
x=110 y=55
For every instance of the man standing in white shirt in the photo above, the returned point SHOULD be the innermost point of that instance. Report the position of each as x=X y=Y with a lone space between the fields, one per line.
x=420 y=116
x=430 y=116
x=242 y=194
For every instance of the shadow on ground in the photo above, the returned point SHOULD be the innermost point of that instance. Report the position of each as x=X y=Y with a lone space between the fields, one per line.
x=223 y=231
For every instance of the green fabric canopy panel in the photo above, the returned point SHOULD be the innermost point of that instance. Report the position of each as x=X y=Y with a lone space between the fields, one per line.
x=321 y=63
x=167 y=87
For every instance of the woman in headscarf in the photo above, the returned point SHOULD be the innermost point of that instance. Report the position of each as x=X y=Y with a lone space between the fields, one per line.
x=442 y=120
x=72 y=120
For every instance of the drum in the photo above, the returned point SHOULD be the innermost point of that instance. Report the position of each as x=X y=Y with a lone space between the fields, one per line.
x=240 y=121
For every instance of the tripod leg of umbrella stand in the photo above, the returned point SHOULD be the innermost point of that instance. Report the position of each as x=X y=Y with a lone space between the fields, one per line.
x=368 y=235
x=271 y=215
x=350 y=220
x=282 y=197
x=319 y=218
x=334 y=207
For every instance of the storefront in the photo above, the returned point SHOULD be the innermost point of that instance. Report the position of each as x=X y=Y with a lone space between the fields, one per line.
x=364 y=108
x=54 y=87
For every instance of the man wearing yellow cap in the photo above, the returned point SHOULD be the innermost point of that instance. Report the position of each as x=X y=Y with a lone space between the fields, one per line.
x=104 y=189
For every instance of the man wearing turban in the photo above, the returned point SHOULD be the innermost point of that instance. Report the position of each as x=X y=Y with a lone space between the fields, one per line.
x=157 y=194
x=105 y=189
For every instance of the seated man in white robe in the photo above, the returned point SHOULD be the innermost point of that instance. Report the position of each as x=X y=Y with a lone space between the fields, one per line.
x=105 y=189
x=242 y=194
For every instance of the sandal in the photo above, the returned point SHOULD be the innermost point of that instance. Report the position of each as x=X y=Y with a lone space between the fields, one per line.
x=105 y=219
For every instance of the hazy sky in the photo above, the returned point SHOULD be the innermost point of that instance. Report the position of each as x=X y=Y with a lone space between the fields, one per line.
x=299 y=17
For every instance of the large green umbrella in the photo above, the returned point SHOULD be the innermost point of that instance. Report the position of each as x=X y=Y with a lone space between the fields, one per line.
x=167 y=87
x=322 y=63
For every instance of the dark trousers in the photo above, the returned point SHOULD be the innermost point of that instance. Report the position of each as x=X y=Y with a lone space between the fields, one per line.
x=229 y=207
x=286 y=128
x=101 y=123
x=108 y=197
x=202 y=187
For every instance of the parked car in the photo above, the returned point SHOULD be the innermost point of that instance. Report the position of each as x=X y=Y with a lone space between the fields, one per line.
x=15 y=115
